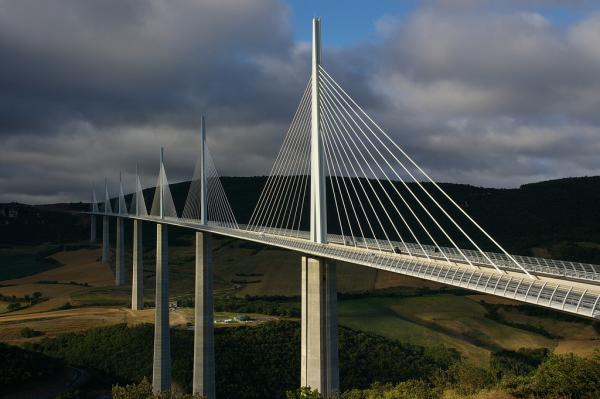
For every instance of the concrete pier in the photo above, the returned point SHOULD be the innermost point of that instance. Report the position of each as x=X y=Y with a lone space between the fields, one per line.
x=92 y=228
x=204 y=342
x=319 y=335
x=120 y=253
x=105 y=243
x=137 y=278
x=161 y=369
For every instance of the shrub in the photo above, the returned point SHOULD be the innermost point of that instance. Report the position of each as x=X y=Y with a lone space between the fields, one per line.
x=143 y=390
x=70 y=394
x=303 y=393
x=521 y=362
x=566 y=376
x=30 y=333
x=65 y=306
x=411 y=389
x=261 y=361
x=19 y=365
x=468 y=379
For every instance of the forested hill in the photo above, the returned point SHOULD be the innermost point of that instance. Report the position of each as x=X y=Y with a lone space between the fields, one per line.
x=537 y=214
x=558 y=215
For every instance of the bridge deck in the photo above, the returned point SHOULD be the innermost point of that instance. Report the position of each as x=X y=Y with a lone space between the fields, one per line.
x=567 y=286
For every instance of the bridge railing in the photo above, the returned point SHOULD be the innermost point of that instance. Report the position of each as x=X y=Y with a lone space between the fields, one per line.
x=520 y=287
x=565 y=297
x=540 y=266
x=534 y=265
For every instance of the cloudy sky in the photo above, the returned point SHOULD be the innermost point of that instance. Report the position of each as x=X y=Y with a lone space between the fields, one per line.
x=494 y=93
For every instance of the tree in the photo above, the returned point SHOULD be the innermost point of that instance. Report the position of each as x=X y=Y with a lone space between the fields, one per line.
x=567 y=376
x=468 y=379
x=411 y=389
x=27 y=332
x=521 y=362
x=143 y=390
x=304 y=393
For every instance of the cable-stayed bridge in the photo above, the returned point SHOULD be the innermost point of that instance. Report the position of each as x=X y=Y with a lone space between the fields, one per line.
x=341 y=189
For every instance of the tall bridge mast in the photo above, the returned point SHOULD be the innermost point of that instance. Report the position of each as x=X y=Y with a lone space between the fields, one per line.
x=318 y=205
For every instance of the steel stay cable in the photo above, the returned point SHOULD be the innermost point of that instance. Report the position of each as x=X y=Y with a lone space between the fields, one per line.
x=301 y=177
x=275 y=164
x=430 y=216
x=191 y=208
x=303 y=98
x=331 y=178
x=223 y=194
x=439 y=206
x=327 y=124
x=306 y=178
x=282 y=187
x=335 y=158
x=292 y=180
x=274 y=178
x=368 y=180
x=297 y=188
x=405 y=203
x=337 y=136
x=432 y=181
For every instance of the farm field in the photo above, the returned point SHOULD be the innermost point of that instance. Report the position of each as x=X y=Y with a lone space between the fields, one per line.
x=80 y=294
x=461 y=322
x=21 y=261
x=376 y=316
x=257 y=270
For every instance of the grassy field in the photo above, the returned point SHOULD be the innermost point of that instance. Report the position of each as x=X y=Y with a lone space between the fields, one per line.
x=427 y=319
x=377 y=316
x=578 y=337
x=257 y=270
x=19 y=261
x=461 y=317
x=460 y=322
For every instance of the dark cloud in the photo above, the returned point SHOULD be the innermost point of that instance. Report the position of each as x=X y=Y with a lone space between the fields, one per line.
x=477 y=95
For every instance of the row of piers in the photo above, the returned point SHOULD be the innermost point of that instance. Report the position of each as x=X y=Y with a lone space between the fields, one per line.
x=319 y=343
x=204 y=351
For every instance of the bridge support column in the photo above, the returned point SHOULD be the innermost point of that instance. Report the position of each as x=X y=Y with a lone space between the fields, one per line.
x=105 y=243
x=137 y=277
x=161 y=370
x=92 y=228
x=319 y=335
x=120 y=254
x=204 y=341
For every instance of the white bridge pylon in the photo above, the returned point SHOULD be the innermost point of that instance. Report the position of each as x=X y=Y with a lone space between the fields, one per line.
x=381 y=210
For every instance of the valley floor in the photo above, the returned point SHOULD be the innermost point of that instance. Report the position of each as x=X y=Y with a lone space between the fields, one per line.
x=80 y=294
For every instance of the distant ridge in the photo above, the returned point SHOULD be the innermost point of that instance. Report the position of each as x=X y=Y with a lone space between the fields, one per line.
x=538 y=214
